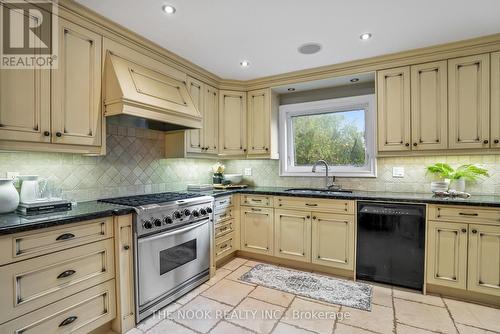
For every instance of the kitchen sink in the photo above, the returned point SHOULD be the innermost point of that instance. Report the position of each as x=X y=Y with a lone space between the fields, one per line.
x=316 y=190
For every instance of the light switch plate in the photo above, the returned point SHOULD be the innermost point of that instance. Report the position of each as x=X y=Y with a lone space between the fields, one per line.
x=398 y=172
x=248 y=171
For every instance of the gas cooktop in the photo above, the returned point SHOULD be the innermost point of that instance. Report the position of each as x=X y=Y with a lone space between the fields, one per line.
x=142 y=200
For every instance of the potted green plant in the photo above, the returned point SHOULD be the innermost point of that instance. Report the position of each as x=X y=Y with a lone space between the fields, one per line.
x=457 y=177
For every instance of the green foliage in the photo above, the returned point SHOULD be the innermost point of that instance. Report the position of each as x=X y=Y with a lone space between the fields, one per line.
x=329 y=137
x=466 y=172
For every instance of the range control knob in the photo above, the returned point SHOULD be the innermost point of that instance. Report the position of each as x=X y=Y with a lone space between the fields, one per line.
x=187 y=213
x=196 y=213
x=209 y=209
x=203 y=212
x=147 y=224
x=157 y=222
x=168 y=220
x=177 y=215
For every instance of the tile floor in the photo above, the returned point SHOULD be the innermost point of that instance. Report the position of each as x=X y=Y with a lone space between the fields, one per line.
x=232 y=307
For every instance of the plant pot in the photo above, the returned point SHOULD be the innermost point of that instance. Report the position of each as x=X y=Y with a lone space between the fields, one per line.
x=9 y=197
x=457 y=185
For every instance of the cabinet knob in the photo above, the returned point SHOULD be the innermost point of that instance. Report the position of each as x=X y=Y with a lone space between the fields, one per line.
x=314 y=217
x=407 y=144
x=58 y=134
x=308 y=217
x=464 y=230
x=46 y=133
x=474 y=231
x=486 y=141
x=496 y=141
x=415 y=144
x=244 y=150
x=126 y=247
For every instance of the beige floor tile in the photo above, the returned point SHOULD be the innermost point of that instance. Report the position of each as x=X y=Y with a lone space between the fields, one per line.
x=382 y=295
x=190 y=295
x=234 y=264
x=283 y=328
x=417 y=297
x=261 y=317
x=157 y=317
x=224 y=327
x=235 y=275
x=219 y=274
x=228 y=292
x=202 y=306
x=424 y=316
x=464 y=329
x=170 y=327
x=134 y=331
x=253 y=263
x=301 y=314
x=272 y=296
x=404 y=329
x=380 y=319
x=345 y=329
x=474 y=315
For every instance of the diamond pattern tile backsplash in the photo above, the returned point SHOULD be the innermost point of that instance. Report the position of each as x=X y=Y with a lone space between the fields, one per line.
x=135 y=164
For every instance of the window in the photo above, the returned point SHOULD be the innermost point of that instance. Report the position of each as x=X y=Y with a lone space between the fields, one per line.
x=340 y=131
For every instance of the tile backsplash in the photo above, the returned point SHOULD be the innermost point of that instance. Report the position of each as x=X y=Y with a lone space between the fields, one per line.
x=134 y=164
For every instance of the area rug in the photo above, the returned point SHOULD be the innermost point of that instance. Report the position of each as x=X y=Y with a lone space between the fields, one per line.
x=319 y=287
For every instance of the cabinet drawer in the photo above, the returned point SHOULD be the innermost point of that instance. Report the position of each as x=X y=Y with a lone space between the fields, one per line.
x=78 y=314
x=223 y=202
x=34 y=283
x=256 y=200
x=26 y=245
x=466 y=214
x=224 y=246
x=315 y=204
x=223 y=215
x=224 y=228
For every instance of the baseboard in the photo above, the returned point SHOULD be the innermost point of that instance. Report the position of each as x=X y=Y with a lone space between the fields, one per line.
x=464 y=295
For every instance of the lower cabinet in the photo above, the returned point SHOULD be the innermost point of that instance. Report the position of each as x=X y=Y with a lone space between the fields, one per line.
x=292 y=235
x=257 y=230
x=333 y=240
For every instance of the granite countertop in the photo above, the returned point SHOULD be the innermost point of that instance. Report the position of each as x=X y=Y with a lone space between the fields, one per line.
x=14 y=223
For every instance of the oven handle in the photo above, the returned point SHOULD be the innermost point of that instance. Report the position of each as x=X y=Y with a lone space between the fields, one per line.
x=174 y=232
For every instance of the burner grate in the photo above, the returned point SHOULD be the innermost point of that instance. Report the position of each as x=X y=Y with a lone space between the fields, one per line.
x=140 y=200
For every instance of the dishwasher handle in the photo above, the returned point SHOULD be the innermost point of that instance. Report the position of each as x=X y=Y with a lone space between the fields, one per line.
x=392 y=210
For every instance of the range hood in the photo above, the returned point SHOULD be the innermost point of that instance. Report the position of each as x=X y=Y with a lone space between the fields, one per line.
x=138 y=95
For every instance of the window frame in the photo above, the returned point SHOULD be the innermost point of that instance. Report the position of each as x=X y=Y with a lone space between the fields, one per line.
x=286 y=112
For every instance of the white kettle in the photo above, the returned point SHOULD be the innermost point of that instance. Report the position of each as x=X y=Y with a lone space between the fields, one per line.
x=29 y=188
x=9 y=198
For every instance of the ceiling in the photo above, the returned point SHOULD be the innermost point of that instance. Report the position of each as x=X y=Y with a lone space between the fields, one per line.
x=218 y=34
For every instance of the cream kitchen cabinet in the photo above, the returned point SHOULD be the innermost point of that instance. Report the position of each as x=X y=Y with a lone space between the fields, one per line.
x=429 y=106
x=469 y=102
x=194 y=137
x=76 y=87
x=333 y=240
x=495 y=100
x=262 y=125
x=393 y=95
x=232 y=123
x=292 y=235
x=257 y=232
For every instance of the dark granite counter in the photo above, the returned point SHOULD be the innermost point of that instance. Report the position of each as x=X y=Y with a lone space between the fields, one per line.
x=13 y=222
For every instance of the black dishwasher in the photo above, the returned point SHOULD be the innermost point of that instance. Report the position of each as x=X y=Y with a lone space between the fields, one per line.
x=391 y=244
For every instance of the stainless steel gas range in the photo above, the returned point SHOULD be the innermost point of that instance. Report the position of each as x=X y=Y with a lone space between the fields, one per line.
x=172 y=246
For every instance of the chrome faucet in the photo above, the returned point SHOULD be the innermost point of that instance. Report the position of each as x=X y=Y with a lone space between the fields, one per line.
x=319 y=162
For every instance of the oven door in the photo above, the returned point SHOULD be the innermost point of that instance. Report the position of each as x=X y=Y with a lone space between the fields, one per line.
x=166 y=260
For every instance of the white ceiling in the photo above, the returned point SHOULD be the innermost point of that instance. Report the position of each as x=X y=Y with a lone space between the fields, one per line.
x=218 y=34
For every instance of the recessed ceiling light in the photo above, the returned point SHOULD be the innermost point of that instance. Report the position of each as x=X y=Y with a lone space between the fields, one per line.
x=245 y=63
x=310 y=48
x=354 y=80
x=291 y=89
x=169 y=9
x=366 y=36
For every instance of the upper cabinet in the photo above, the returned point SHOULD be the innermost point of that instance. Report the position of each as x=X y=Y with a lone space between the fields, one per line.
x=429 y=106
x=211 y=120
x=194 y=137
x=259 y=121
x=469 y=102
x=393 y=92
x=232 y=123
x=495 y=100
x=76 y=87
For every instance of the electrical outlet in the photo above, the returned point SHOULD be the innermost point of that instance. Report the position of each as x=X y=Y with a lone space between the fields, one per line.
x=248 y=171
x=398 y=172
x=12 y=175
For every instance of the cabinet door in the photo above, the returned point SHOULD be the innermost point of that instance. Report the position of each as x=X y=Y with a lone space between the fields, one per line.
x=259 y=122
x=257 y=230
x=76 y=87
x=447 y=254
x=484 y=259
x=393 y=95
x=211 y=120
x=292 y=231
x=333 y=240
x=25 y=102
x=469 y=102
x=195 y=137
x=429 y=106
x=495 y=100
x=232 y=123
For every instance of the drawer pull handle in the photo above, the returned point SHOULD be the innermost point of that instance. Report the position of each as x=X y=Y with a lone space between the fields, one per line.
x=256 y=200
x=254 y=209
x=224 y=246
x=68 y=321
x=222 y=216
x=468 y=214
x=223 y=229
x=65 y=236
x=310 y=204
x=66 y=273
